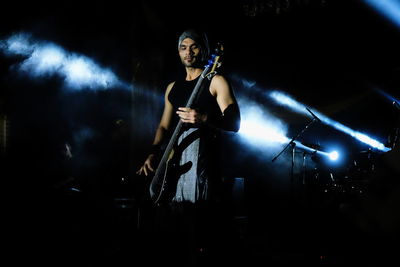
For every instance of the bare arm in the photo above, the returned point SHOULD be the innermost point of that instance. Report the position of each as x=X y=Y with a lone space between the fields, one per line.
x=166 y=118
x=162 y=128
x=221 y=89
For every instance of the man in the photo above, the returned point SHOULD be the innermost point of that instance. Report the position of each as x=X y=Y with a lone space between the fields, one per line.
x=196 y=203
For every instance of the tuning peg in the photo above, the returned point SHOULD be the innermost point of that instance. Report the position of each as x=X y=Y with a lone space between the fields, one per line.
x=219 y=49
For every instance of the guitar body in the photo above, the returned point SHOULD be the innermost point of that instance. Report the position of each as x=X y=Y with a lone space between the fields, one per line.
x=165 y=179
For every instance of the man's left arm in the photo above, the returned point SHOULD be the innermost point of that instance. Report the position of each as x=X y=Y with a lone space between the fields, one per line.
x=230 y=118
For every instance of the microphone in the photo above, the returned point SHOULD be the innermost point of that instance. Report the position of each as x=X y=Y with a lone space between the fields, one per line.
x=315 y=116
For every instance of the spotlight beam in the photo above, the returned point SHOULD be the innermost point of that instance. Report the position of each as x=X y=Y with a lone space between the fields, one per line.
x=286 y=100
x=259 y=128
x=390 y=9
x=44 y=58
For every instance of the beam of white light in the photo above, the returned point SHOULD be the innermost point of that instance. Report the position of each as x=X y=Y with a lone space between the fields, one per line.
x=395 y=102
x=388 y=8
x=388 y=96
x=17 y=44
x=285 y=100
x=83 y=72
x=257 y=126
x=261 y=129
x=44 y=58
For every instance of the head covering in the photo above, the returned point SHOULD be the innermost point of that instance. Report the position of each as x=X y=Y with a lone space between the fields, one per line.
x=200 y=38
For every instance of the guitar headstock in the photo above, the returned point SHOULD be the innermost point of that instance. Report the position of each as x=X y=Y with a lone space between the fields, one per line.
x=215 y=61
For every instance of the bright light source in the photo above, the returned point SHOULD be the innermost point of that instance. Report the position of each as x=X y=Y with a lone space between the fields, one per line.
x=334 y=155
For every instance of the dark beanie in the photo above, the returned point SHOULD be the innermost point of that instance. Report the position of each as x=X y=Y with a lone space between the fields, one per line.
x=200 y=38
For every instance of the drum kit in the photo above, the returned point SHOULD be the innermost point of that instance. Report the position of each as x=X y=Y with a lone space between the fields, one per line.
x=327 y=185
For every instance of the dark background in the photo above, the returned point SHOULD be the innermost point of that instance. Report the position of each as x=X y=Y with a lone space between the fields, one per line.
x=330 y=55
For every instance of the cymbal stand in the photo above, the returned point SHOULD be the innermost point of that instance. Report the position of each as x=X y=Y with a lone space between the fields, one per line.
x=292 y=144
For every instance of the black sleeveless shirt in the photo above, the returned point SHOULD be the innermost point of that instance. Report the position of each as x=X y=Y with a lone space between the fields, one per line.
x=205 y=102
x=209 y=178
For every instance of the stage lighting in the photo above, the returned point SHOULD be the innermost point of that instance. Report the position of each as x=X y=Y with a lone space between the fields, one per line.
x=334 y=155
x=298 y=107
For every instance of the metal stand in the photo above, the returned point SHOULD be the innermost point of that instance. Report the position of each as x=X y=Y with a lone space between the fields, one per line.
x=292 y=143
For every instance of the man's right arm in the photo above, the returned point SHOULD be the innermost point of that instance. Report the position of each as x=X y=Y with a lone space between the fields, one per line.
x=166 y=118
x=162 y=129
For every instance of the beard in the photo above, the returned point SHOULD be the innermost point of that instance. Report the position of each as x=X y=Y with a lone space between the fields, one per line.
x=193 y=63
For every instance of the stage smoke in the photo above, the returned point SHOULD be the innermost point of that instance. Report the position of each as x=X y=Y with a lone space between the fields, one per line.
x=43 y=59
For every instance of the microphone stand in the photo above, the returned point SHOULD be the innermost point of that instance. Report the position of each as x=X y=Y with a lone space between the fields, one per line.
x=397 y=128
x=292 y=144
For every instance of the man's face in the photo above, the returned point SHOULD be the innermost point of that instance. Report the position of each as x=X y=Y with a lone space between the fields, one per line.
x=189 y=52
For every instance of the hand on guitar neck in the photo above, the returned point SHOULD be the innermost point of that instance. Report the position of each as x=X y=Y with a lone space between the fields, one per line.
x=188 y=115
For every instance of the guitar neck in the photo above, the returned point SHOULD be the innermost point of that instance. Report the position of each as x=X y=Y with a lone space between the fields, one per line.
x=178 y=128
x=196 y=89
x=171 y=143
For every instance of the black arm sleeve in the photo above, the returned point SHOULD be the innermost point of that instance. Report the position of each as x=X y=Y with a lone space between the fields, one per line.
x=229 y=119
x=155 y=149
